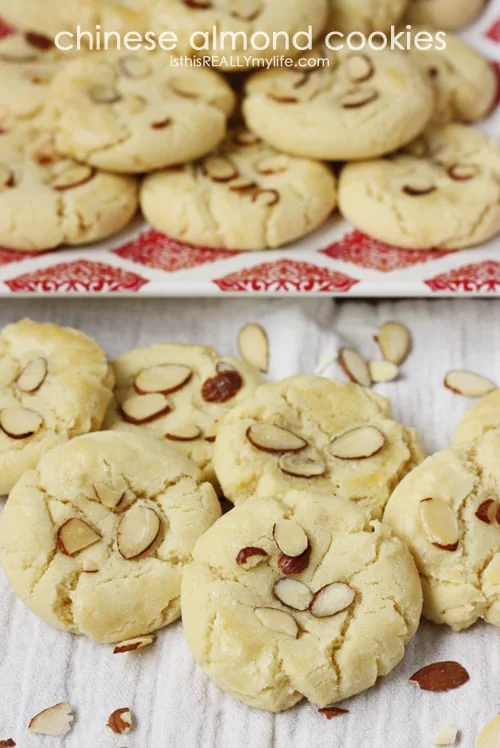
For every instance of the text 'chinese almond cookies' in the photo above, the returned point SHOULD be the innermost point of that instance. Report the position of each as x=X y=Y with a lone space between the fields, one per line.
x=448 y=511
x=299 y=598
x=179 y=392
x=94 y=540
x=443 y=191
x=55 y=383
x=245 y=196
x=314 y=434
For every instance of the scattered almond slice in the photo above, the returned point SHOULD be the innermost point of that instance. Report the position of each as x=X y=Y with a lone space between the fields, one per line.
x=253 y=345
x=489 y=737
x=332 y=599
x=302 y=465
x=440 y=676
x=137 y=531
x=20 y=423
x=274 y=439
x=75 y=535
x=109 y=496
x=57 y=720
x=219 y=169
x=463 y=172
x=187 y=433
x=251 y=556
x=6 y=177
x=358 y=443
x=360 y=68
x=418 y=187
x=223 y=387
x=140 y=409
x=272 y=165
x=102 y=93
x=290 y=537
x=132 y=645
x=332 y=711
x=134 y=67
x=440 y=524
x=39 y=41
x=446 y=735
x=383 y=371
x=469 y=384
x=394 y=341
x=291 y=565
x=8 y=743
x=74 y=176
x=278 y=621
x=243 y=186
x=187 y=86
x=489 y=512
x=33 y=375
x=120 y=721
x=293 y=594
x=163 y=379
x=358 y=98
x=355 y=366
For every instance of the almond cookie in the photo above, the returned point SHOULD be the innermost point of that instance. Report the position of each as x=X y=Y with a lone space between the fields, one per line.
x=448 y=512
x=484 y=416
x=47 y=200
x=94 y=539
x=179 y=392
x=360 y=106
x=55 y=384
x=359 y=15
x=444 y=14
x=314 y=433
x=444 y=191
x=245 y=196
x=196 y=20
x=297 y=598
x=135 y=112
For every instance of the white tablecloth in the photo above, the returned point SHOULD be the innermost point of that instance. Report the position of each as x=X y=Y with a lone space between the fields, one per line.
x=174 y=704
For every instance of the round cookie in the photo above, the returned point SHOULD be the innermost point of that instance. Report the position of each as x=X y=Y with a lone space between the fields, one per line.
x=360 y=106
x=262 y=17
x=443 y=192
x=314 y=433
x=447 y=511
x=484 y=416
x=131 y=113
x=245 y=603
x=444 y=14
x=55 y=383
x=245 y=196
x=179 y=392
x=359 y=15
x=94 y=539
x=47 y=200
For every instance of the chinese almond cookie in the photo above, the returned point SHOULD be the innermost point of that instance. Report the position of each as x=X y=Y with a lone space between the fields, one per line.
x=297 y=598
x=442 y=192
x=448 y=511
x=359 y=15
x=482 y=417
x=314 y=434
x=95 y=538
x=444 y=14
x=245 y=196
x=55 y=383
x=178 y=392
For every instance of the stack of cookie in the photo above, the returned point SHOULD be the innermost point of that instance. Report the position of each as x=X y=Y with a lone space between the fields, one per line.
x=88 y=137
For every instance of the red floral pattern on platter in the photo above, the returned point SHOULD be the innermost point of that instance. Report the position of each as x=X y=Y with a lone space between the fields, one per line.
x=7 y=256
x=287 y=275
x=360 y=249
x=493 y=32
x=155 y=250
x=483 y=276
x=79 y=276
x=5 y=29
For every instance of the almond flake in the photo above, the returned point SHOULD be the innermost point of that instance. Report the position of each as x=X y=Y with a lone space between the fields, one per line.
x=253 y=345
x=278 y=621
x=302 y=465
x=223 y=387
x=463 y=172
x=101 y=93
x=290 y=537
x=137 y=531
x=75 y=535
x=187 y=433
x=468 y=384
x=33 y=375
x=358 y=97
x=189 y=87
x=293 y=594
x=292 y=565
x=440 y=676
x=440 y=524
x=332 y=599
x=134 y=67
x=394 y=340
x=219 y=169
x=20 y=423
x=419 y=187
x=145 y=408
x=355 y=366
x=57 y=720
x=132 y=645
x=163 y=379
x=74 y=176
x=358 y=444
x=446 y=735
x=274 y=439
x=108 y=495
x=489 y=737
x=383 y=371
x=250 y=557
x=360 y=68
x=332 y=711
x=489 y=512
x=120 y=721
x=273 y=165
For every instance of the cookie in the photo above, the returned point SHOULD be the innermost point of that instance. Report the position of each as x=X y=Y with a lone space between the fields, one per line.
x=49 y=17
x=444 y=14
x=55 y=383
x=443 y=192
x=447 y=511
x=130 y=113
x=245 y=196
x=359 y=15
x=314 y=433
x=484 y=416
x=95 y=538
x=272 y=629
x=179 y=392
x=195 y=20
x=47 y=200
x=360 y=106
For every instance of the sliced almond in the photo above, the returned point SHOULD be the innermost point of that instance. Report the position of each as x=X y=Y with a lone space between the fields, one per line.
x=253 y=345
x=489 y=737
x=187 y=86
x=20 y=423
x=290 y=537
x=6 y=178
x=266 y=197
x=57 y=720
x=302 y=465
x=108 y=495
x=332 y=599
x=161 y=125
x=358 y=444
x=245 y=10
x=273 y=165
x=243 y=186
x=440 y=676
x=383 y=371
x=463 y=172
x=8 y=743
x=292 y=565
x=358 y=97
x=75 y=535
x=282 y=97
x=468 y=384
x=446 y=735
x=251 y=556
x=187 y=433
x=278 y=621
x=120 y=721
x=355 y=366
x=89 y=567
x=246 y=139
x=293 y=594
x=198 y=4
x=33 y=375
x=104 y=93
x=360 y=68
x=137 y=531
x=132 y=645
x=274 y=439
x=165 y=378
x=72 y=177
x=223 y=387
x=394 y=340
x=134 y=67
x=332 y=711
x=145 y=408
x=440 y=524
x=419 y=186
x=219 y=169
x=489 y=512
x=38 y=41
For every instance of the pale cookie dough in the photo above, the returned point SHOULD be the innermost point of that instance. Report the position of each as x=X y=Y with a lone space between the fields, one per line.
x=443 y=192
x=272 y=629
x=47 y=200
x=314 y=433
x=444 y=14
x=55 y=383
x=245 y=196
x=134 y=112
x=361 y=106
x=179 y=392
x=359 y=15
x=241 y=17
x=95 y=538
x=448 y=512
x=484 y=416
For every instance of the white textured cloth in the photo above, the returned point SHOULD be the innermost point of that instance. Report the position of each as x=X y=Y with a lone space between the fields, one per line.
x=174 y=704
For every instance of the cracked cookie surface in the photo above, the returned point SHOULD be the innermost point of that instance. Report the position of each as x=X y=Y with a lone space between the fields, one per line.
x=55 y=383
x=482 y=417
x=446 y=510
x=442 y=192
x=359 y=15
x=245 y=196
x=95 y=538
x=249 y=459
x=271 y=654
x=443 y=14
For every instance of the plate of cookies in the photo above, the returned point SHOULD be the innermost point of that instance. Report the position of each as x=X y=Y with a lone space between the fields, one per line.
x=367 y=170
